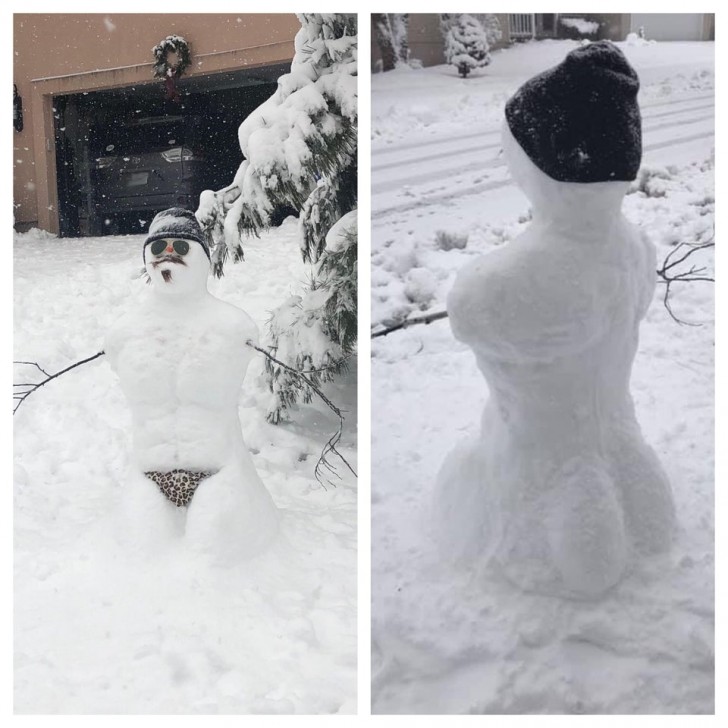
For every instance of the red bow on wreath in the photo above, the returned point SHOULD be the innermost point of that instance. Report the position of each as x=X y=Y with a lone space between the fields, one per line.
x=170 y=90
x=169 y=69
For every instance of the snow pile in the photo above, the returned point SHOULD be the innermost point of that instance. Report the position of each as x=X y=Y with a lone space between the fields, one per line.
x=582 y=26
x=450 y=640
x=636 y=40
x=102 y=626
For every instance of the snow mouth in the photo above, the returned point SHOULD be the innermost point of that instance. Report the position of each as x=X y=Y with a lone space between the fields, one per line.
x=167 y=275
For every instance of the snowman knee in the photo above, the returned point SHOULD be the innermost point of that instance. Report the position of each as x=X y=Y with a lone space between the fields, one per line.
x=150 y=519
x=586 y=528
x=229 y=519
x=463 y=515
x=647 y=496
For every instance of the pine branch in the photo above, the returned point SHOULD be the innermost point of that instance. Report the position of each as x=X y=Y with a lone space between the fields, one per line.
x=330 y=446
x=21 y=396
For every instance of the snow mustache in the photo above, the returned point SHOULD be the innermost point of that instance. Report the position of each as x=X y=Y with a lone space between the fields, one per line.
x=168 y=259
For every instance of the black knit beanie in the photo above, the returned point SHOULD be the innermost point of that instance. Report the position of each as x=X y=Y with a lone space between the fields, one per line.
x=175 y=223
x=579 y=121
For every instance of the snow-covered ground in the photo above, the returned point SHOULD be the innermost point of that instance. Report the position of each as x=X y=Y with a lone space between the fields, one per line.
x=99 y=630
x=449 y=641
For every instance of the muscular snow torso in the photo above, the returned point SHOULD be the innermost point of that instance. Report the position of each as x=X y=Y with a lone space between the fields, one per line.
x=181 y=368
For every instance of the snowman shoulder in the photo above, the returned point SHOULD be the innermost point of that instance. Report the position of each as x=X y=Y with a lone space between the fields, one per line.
x=119 y=333
x=522 y=302
x=236 y=322
x=643 y=262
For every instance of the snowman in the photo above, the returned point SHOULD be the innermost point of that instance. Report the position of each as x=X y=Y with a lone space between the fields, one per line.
x=181 y=356
x=559 y=492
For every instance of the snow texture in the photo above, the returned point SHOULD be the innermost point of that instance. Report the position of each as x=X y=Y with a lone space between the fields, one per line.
x=462 y=639
x=559 y=488
x=103 y=626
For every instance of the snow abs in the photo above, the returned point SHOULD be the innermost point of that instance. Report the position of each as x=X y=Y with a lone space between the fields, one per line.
x=178 y=485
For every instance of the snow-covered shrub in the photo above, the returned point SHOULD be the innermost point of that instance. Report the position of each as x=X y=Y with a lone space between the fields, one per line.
x=653 y=181
x=466 y=46
x=493 y=31
x=577 y=28
x=492 y=26
x=636 y=39
x=447 y=240
x=299 y=150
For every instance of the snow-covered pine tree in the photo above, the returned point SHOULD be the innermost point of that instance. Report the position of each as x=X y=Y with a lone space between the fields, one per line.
x=466 y=46
x=299 y=150
x=400 y=30
x=391 y=34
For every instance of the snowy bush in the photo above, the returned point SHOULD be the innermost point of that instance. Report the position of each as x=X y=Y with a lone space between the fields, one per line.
x=450 y=240
x=653 y=181
x=466 y=46
x=299 y=150
x=493 y=32
x=579 y=27
x=635 y=39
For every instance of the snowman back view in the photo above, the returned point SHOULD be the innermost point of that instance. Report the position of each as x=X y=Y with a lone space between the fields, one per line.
x=559 y=491
x=181 y=358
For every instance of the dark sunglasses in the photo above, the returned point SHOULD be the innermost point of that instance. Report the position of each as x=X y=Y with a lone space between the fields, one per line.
x=181 y=247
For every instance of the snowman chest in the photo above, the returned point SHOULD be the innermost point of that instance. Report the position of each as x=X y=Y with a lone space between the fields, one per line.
x=177 y=363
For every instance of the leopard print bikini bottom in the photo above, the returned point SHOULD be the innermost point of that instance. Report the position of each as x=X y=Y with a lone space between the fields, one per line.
x=178 y=485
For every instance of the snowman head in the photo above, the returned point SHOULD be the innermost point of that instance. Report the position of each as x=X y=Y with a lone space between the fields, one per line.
x=580 y=121
x=176 y=256
x=574 y=131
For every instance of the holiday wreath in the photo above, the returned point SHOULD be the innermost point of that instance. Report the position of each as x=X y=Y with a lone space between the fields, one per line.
x=171 y=44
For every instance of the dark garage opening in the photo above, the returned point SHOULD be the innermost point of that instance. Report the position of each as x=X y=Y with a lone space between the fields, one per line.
x=124 y=154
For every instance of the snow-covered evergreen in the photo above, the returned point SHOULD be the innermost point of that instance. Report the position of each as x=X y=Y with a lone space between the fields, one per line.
x=315 y=332
x=391 y=35
x=466 y=44
x=299 y=151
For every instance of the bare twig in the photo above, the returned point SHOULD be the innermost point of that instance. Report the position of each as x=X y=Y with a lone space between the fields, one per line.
x=330 y=446
x=689 y=276
x=428 y=319
x=21 y=396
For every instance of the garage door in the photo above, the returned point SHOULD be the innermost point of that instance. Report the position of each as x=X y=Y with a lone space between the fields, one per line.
x=124 y=154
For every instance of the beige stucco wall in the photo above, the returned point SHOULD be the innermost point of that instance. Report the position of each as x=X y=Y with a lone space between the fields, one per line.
x=71 y=53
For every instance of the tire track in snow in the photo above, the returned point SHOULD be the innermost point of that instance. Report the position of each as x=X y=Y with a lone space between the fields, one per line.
x=480 y=135
x=495 y=184
x=494 y=162
x=496 y=145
